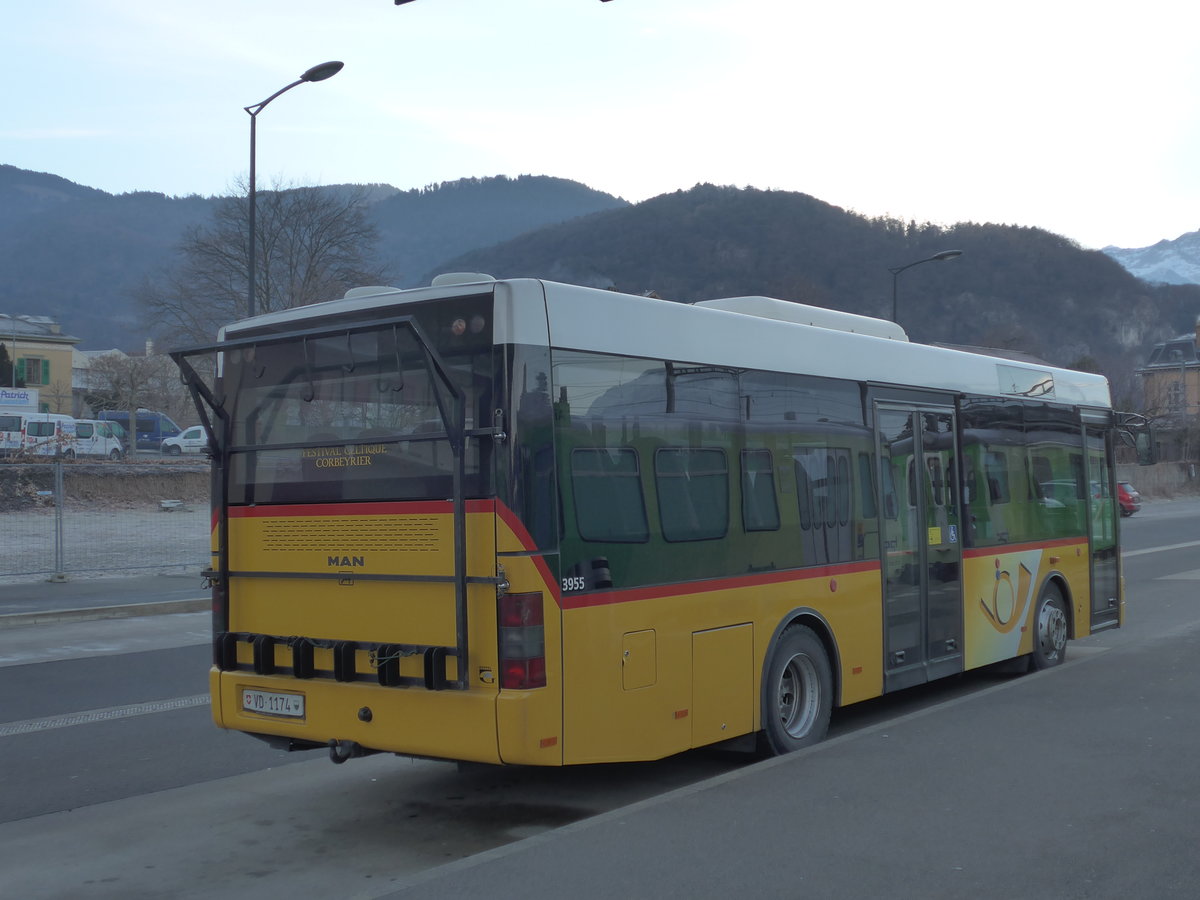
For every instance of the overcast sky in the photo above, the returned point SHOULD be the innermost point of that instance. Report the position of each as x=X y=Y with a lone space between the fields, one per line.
x=1082 y=118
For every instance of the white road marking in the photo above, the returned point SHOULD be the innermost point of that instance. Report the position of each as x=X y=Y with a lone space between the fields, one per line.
x=88 y=716
x=1193 y=575
x=1128 y=553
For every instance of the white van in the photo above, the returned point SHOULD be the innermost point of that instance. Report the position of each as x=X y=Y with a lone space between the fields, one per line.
x=12 y=433
x=96 y=438
x=49 y=434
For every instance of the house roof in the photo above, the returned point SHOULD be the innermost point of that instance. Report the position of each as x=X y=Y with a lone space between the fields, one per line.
x=36 y=328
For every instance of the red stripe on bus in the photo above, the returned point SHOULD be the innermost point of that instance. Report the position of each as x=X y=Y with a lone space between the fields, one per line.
x=580 y=601
x=519 y=531
x=977 y=552
x=525 y=539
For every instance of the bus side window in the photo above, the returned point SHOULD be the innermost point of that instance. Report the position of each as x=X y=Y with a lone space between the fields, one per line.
x=1043 y=473
x=997 y=476
x=866 y=481
x=934 y=465
x=760 y=507
x=693 y=493
x=891 y=505
x=607 y=485
x=842 y=488
x=952 y=482
x=804 y=496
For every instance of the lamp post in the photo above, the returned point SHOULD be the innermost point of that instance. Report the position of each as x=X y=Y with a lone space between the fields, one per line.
x=316 y=73
x=937 y=257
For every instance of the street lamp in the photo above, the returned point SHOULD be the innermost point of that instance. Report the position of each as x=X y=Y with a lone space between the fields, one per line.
x=937 y=257
x=316 y=73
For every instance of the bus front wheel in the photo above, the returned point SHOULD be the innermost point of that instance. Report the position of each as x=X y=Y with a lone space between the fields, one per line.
x=797 y=693
x=1050 y=638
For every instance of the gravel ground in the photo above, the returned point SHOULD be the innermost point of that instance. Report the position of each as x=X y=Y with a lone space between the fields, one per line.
x=100 y=539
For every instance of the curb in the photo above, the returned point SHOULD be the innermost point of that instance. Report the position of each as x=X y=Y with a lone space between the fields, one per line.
x=125 y=611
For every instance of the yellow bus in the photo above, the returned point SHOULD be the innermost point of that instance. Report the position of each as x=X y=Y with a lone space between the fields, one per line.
x=523 y=522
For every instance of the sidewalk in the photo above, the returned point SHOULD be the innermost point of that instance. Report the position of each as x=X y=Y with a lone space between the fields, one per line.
x=86 y=598
x=1079 y=782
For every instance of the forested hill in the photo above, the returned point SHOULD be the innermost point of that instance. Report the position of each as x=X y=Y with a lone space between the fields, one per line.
x=80 y=255
x=418 y=229
x=1015 y=288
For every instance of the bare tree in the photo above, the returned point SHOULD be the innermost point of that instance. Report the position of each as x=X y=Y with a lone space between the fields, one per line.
x=121 y=382
x=313 y=245
x=59 y=395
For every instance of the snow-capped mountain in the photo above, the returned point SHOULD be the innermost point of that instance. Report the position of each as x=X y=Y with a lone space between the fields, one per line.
x=1168 y=262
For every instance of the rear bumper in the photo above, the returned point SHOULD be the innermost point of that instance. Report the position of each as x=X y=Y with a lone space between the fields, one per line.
x=457 y=725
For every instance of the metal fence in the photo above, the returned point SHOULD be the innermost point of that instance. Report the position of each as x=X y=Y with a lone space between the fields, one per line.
x=101 y=521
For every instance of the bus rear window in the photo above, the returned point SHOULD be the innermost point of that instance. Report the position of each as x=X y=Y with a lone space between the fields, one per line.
x=360 y=415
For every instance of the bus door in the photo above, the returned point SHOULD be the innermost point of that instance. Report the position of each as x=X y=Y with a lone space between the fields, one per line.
x=1102 y=525
x=922 y=555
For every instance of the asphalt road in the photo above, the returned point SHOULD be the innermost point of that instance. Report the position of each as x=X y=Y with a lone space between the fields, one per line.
x=1079 y=782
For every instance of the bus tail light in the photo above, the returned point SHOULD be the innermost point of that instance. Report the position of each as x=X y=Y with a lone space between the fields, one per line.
x=522 y=641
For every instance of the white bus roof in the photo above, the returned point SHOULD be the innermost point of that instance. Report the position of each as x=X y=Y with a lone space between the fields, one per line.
x=739 y=332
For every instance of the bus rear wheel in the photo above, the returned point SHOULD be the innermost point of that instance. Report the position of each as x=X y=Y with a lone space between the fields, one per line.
x=1050 y=636
x=797 y=693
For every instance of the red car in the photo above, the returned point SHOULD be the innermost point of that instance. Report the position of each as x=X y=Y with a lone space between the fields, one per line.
x=1128 y=498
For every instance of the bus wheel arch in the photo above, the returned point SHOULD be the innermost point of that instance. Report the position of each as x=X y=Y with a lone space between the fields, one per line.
x=1064 y=588
x=799 y=685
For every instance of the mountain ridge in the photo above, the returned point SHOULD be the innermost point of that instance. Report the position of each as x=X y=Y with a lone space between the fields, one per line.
x=80 y=255
x=115 y=242
x=1166 y=262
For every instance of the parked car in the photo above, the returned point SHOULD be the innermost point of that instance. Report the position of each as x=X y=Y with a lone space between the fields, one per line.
x=49 y=434
x=94 y=437
x=190 y=440
x=1128 y=497
x=152 y=427
x=12 y=433
x=123 y=436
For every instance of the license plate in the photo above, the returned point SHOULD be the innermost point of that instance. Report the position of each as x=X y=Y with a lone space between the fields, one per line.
x=268 y=703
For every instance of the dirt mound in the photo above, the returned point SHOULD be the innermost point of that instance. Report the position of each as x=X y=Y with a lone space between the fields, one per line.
x=111 y=483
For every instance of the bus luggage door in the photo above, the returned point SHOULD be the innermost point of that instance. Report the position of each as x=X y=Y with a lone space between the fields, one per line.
x=922 y=556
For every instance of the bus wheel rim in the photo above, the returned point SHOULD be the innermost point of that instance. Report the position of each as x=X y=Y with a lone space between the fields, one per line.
x=799 y=697
x=1052 y=630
